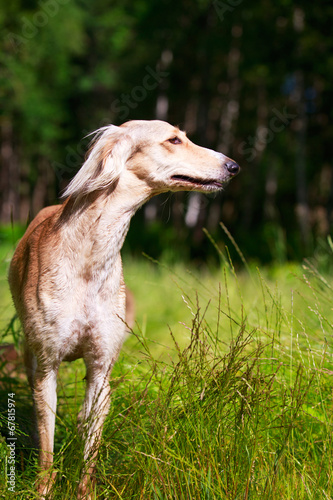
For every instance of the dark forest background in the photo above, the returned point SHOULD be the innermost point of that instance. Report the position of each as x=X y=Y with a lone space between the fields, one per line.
x=250 y=79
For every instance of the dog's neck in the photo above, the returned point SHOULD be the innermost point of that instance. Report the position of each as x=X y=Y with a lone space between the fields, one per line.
x=95 y=227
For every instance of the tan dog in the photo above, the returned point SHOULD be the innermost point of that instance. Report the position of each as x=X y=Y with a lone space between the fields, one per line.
x=66 y=274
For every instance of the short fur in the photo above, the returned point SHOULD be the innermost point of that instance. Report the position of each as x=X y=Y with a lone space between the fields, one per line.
x=66 y=275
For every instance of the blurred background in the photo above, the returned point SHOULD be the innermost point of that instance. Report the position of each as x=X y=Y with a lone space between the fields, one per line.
x=250 y=79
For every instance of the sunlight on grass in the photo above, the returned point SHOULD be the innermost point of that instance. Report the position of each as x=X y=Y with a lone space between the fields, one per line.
x=223 y=390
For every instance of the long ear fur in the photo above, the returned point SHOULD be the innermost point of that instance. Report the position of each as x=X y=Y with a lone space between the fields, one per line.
x=107 y=158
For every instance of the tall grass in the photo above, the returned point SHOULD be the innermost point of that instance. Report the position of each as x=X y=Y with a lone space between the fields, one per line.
x=222 y=391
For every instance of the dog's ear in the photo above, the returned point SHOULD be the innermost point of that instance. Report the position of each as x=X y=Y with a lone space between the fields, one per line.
x=106 y=159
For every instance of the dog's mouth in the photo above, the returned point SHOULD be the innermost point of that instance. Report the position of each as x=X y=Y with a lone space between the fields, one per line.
x=206 y=184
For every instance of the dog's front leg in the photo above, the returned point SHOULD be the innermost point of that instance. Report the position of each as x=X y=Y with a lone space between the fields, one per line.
x=45 y=398
x=95 y=409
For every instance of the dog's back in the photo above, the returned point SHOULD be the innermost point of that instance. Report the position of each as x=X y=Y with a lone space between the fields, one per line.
x=24 y=269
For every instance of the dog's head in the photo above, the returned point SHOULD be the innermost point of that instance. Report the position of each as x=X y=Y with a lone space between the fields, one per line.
x=158 y=155
x=170 y=161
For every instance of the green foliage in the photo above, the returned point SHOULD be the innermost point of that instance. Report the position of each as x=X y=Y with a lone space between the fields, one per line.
x=245 y=78
x=223 y=390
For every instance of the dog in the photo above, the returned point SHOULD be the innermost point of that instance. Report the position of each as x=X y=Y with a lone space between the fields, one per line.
x=66 y=275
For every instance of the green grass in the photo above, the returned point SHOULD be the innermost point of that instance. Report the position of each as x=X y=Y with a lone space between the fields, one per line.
x=222 y=391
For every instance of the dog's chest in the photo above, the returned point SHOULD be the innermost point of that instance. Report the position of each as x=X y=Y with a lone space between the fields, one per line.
x=91 y=321
x=69 y=294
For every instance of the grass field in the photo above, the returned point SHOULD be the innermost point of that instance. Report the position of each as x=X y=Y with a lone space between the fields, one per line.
x=222 y=391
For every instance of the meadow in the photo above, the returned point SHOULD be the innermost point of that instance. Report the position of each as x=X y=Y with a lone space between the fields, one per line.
x=223 y=390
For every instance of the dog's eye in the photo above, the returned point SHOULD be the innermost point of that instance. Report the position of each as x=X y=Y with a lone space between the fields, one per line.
x=175 y=140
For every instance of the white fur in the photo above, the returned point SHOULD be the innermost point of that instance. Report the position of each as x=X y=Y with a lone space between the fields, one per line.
x=89 y=178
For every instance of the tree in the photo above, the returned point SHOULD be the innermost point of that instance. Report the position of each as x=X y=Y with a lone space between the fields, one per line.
x=251 y=80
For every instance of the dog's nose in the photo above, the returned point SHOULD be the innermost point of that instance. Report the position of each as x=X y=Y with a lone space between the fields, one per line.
x=232 y=167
